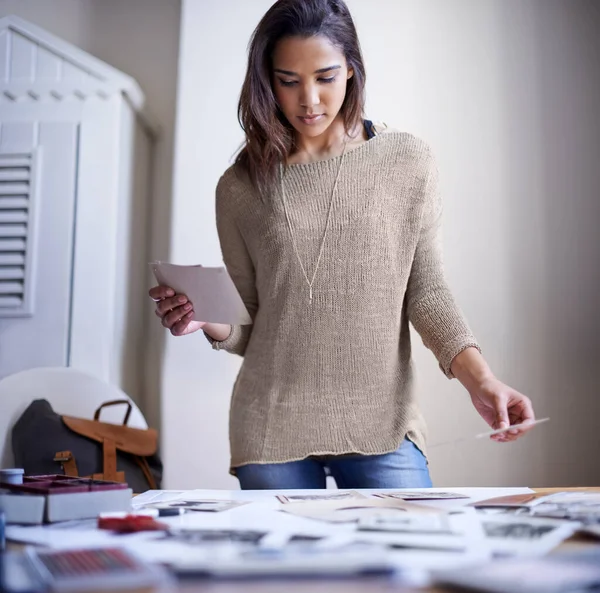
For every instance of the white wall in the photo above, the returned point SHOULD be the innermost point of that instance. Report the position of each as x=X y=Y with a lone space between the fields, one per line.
x=141 y=38
x=197 y=381
x=507 y=94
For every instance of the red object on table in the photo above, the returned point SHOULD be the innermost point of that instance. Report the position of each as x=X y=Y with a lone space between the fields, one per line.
x=131 y=524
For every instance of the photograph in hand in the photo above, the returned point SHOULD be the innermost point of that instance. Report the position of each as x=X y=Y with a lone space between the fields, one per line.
x=210 y=289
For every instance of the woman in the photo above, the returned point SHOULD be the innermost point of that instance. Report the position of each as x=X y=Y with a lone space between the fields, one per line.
x=329 y=228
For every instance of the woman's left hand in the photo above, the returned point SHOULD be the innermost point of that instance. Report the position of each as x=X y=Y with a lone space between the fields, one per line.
x=501 y=406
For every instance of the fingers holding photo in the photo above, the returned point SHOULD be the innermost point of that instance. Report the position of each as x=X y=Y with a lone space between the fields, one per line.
x=184 y=325
x=172 y=303
x=158 y=293
x=176 y=314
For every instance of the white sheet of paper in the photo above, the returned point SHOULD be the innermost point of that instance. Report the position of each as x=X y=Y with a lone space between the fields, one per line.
x=210 y=290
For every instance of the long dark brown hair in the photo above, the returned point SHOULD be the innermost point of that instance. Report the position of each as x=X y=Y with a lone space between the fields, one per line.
x=269 y=136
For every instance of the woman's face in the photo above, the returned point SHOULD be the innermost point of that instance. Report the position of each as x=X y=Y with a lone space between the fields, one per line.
x=310 y=76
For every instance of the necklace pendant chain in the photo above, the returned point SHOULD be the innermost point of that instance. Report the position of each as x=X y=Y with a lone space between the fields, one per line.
x=291 y=230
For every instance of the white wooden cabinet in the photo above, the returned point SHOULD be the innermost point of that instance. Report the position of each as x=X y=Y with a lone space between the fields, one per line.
x=75 y=152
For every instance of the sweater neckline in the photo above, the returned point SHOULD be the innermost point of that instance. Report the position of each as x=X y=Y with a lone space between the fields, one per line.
x=333 y=159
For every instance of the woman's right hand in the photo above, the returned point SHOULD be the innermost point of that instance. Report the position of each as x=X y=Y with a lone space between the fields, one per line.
x=174 y=311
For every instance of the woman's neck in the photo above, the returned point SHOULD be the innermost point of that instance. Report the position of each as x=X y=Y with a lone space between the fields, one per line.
x=328 y=144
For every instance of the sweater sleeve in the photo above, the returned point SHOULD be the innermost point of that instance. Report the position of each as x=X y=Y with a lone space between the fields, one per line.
x=431 y=307
x=239 y=266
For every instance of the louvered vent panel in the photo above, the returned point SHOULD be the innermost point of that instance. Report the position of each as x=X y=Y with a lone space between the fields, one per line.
x=16 y=173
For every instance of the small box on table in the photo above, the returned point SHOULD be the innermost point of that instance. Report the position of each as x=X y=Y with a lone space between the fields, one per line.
x=53 y=498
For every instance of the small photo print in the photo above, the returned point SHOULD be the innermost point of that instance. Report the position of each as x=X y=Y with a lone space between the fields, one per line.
x=422 y=495
x=408 y=523
x=212 y=536
x=349 y=495
x=514 y=535
x=305 y=539
x=517 y=530
x=209 y=506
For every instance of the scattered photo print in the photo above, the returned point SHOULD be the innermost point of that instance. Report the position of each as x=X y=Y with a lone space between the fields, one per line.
x=212 y=536
x=422 y=495
x=527 y=536
x=408 y=523
x=517 y=530
x=209 y=506
x=305 y=539
x=316 y=497
x=574 y=506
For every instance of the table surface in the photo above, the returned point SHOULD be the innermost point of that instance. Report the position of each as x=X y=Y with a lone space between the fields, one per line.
x=362 y=585
x=359 y=585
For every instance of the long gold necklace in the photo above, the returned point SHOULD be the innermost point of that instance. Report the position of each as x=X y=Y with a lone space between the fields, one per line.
x=291 y=230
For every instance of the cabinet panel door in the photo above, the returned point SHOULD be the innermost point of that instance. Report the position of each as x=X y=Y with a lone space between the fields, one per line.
x=38 y=168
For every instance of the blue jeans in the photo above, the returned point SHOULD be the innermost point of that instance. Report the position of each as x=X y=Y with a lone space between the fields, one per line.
x=404 y=468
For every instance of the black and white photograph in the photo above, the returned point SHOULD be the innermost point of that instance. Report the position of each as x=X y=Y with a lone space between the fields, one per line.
x=423 y=495
x=215 y=536
x=575 y=506
x=285 y=499
x=510 y=535
x=207 y=506
x=524 y=531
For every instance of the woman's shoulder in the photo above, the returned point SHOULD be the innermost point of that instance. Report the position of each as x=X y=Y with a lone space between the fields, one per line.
x=400 y=138
x=403 y=149
x=233 y=177
x=234 y=183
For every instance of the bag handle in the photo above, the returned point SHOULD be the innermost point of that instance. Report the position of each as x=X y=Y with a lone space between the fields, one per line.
x=114 y=403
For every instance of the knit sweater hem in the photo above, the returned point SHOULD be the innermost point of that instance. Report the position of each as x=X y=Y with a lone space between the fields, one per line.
x=414 y=436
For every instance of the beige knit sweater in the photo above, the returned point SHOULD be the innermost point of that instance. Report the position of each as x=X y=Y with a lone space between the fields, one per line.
x=334 y=376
